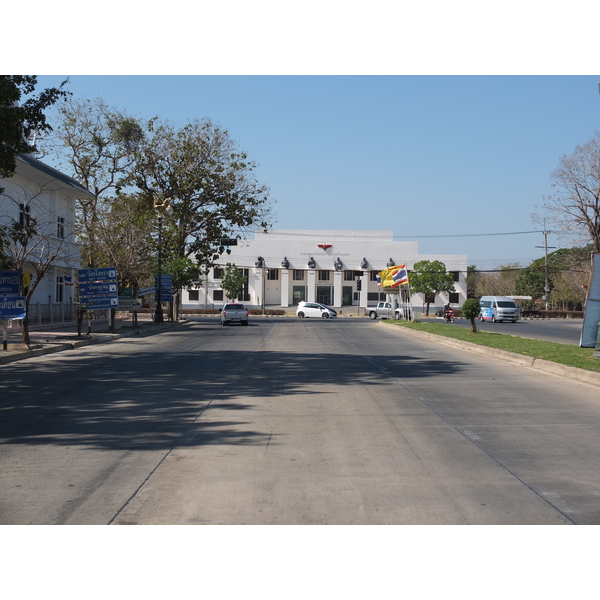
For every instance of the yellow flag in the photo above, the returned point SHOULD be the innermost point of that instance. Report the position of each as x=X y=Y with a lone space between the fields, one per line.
x=26 y=278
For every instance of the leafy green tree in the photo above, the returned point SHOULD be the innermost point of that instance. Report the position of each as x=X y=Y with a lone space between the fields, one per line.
x=21 y=115
x=430 y=278
x=531 y=281
x=233 y=281
x=210 y=184
x=470 y=310
x=473 y=278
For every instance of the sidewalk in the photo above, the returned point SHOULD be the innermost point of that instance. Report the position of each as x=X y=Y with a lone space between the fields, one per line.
x=65 y=337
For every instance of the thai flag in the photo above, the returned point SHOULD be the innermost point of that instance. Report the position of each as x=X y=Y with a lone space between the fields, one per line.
x=68 y=279
x=400 y=277
x=378 y=279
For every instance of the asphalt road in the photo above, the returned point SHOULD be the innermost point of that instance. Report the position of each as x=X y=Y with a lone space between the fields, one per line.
x=293 y=422
x=562 y=331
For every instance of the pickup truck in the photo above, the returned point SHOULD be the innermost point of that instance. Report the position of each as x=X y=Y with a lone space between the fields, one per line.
x=234 y=313
x=383 y=310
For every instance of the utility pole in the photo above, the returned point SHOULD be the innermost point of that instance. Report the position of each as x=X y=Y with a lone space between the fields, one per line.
x=546 y=295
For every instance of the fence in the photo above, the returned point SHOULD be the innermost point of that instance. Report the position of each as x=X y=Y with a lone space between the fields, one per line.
x=51 y=315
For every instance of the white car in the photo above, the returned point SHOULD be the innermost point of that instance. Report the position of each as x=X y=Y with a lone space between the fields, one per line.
x=314 y=309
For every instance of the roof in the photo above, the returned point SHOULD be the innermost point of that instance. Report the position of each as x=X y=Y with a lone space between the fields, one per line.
x=52 y=173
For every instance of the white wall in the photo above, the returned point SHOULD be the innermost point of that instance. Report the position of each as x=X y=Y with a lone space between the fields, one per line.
x=299 y=246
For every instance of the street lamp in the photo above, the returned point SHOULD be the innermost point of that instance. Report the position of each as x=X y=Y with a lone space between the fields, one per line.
x=162 y=208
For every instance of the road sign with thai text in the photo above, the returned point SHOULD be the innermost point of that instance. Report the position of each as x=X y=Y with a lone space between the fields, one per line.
x=12 y=307
x=98 y=289
x=105 y=274
x=10 y=282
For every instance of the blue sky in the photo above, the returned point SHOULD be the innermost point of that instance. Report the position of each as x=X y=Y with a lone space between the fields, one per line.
x=423 y=156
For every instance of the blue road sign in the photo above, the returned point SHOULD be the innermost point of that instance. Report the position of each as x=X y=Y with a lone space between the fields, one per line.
x=98 y=302
x=12 y=307
x=107 y=274
x=166 y=288
x=87 y=290
x=10 y=282
x=165 y=280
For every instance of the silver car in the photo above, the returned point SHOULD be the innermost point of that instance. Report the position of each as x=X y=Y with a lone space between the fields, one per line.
x=315 y=309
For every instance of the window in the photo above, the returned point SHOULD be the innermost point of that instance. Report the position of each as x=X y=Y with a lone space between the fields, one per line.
x=298 y=275
x=59 y=288
x=323 y=275
x=194 y=295
x=218 y=295
x=455 y=274
x=348 y=275
x=453 y=298
x=60 y=228
x=272 y=274
x=373 y=275
x=24 y=215
x=217 y=273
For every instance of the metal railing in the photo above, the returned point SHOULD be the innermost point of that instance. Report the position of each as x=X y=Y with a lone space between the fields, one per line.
x=52 y=314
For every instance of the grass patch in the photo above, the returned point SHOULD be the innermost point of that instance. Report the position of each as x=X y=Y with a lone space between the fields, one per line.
x=564 y=354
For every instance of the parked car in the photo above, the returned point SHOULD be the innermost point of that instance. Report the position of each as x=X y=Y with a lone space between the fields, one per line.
x=384 y=310
x=234 y=313
x=314 y=309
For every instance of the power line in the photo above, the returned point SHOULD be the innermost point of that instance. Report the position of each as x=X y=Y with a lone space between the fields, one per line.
x=468 y=234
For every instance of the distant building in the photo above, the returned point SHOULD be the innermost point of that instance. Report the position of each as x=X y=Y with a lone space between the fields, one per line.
x=37 y=191
x=284 y=267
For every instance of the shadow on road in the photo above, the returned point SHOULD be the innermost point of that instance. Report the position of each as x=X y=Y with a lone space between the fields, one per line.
x=150 y=401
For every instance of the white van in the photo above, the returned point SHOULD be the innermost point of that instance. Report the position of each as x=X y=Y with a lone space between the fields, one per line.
x=498 y=308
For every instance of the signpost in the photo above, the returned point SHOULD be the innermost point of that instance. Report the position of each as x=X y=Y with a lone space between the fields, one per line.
x=12 y=306
x=95 y=275
x=166 y=288
x=147 y=291
x=10 y=283
x=98 y=289
x=130 y=304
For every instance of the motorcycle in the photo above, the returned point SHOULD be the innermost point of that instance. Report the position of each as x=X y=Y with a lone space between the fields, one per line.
x=449 y=315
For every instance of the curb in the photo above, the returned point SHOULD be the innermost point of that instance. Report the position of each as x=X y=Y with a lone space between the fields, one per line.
x=539 y=364
x=94 y=338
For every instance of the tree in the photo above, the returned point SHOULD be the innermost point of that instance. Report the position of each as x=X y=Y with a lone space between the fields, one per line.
x=531 y=281
x=233 y=281
x=122 y=240
x=95 y=145
x=473 y=278
x=19 y=120
x=210 y=185
x=471 y=310
x=575 y=206
x=430 y=278
x=501 y=282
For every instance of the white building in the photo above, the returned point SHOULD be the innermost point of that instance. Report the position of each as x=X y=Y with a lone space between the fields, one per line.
x=37 y=191
x=337 y=268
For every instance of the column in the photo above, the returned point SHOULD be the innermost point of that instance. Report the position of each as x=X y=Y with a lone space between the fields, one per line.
x=364 y=289
x=337 y=288
x=285 y=288
x=311 y=289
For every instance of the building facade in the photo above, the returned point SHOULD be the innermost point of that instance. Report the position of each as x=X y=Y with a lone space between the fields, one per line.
x=38 y=193
x=337 y=268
